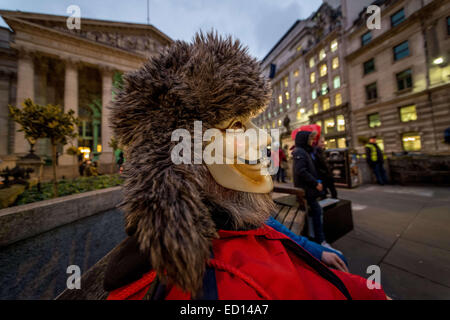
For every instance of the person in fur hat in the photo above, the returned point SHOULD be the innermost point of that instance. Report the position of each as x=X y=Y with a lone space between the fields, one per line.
x=197 y=230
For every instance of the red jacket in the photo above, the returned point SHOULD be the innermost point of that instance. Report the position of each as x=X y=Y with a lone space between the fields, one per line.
x=263 y=264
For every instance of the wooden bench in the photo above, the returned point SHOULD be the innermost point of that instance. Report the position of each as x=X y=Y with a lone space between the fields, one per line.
x=291 y=209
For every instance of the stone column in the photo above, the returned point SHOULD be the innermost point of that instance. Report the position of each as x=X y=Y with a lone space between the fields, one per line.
x=25 y=90
x=107 y=87
x=70 y=103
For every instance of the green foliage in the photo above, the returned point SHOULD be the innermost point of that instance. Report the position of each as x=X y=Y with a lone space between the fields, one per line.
x=113 y=143
x=68 y=187
x=73 y=151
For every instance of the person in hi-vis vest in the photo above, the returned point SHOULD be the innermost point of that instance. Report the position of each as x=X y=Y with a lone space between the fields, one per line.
x=375 y=159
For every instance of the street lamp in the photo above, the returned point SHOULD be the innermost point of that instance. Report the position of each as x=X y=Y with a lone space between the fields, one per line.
x=438 y=61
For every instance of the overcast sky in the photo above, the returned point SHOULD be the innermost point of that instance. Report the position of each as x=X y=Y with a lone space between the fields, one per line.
x=258 y=23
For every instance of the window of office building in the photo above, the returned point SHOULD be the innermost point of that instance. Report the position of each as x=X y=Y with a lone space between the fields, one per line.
x=340 y=123
x=299 y=100
x=331 y=144
x=337 y=82
x=404 y=80
x=296 y=73
x=297 y=88
x=323 y=70
x=299 y=115
x=329 y=125
x=288 y=106
x=269 y=115
x=326 y=104
x=374 y=120
x=324 y=89
x=366 y=38
x=299 y=48
x=281 y=109
x=316 y=108
x=341 y=143
x=398 y=17
x=335 y=62
x=371 y=91
x=369 y=66
x=280 y=99
x=334 y=45
x=322 y=54
x=273 y=124
x=411 y=142
x=286 y=82
x=314 y=94
x=337 y=99
x=401 y=51
x=312 y=77
x=312 y=62
x=287 y=95
x=408 y=113
x=279 y=122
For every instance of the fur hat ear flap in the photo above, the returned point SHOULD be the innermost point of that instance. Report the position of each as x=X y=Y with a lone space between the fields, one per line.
x=167 y=215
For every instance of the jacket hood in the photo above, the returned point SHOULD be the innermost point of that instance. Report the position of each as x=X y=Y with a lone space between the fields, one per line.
x=302 y=138
x=212 y=79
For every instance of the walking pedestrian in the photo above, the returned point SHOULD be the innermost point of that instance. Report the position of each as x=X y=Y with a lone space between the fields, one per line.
x=375 y=160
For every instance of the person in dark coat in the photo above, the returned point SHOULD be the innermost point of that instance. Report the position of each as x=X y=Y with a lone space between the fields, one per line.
x=307 y=178
x=323 y=170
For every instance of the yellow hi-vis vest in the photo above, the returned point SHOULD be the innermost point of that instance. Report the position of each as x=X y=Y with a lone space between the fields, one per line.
x=373 y=152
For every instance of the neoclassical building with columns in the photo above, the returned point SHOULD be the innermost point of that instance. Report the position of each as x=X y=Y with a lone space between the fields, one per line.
x=41 y=59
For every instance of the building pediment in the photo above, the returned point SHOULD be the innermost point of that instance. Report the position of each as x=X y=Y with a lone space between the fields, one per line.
x=139 y=38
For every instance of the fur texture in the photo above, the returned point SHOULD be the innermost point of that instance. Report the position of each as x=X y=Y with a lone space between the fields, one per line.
x=211 y=79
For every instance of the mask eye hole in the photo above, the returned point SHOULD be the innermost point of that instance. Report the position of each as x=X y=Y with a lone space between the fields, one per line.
x=237 y=125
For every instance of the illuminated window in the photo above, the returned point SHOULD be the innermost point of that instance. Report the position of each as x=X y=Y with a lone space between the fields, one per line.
x=312 y=77
x=287 y=95
x=288 y=106
x=299 y=100
x=322 y=54
x=273 y=124
x=337 y=82
x=269 y=116
x=326 y=104
x=281 y=109
x=340 y=123
x=314 y=94
x=312 y=62
x=408 y=113
x=374 y=120
x=279 y=122
x=337 y=99
x=331 y=144
x=323 y=70
x=334 y=45
x=335 y=62
x=297 y=88
x=286 y=82
x=299 y=115
x=411 y=142
x=329 y=125
x=319 y=123
x=324 y=89
x=316 y=108
x=296 y=73
x=299 y=48
x=341 y=143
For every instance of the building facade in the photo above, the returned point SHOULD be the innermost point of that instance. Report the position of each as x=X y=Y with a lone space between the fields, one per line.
x=41 y=59
x=399 y=76
x=309 y=82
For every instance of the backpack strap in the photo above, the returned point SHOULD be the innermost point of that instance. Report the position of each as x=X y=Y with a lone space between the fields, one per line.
x=323 y=271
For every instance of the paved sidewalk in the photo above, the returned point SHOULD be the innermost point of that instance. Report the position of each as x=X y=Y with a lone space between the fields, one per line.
x=405 y=231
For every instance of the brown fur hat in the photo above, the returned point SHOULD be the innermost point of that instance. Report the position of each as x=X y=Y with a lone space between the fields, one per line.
x=211 y=79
